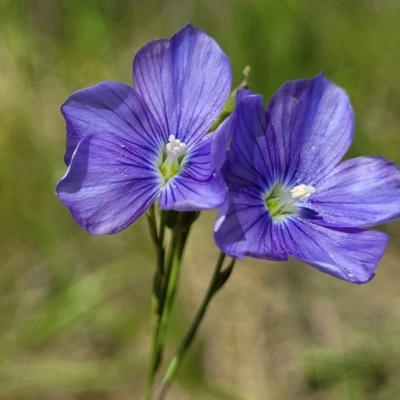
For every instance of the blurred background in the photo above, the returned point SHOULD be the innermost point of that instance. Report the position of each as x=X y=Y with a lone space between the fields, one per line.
x=74 y=309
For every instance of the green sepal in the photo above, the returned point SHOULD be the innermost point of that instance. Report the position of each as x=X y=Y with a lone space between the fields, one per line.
x=231 y=102
x=226 y=111
x=181 y=219
x=224 y=275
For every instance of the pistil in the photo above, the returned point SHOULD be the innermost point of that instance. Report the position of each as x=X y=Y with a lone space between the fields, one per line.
x=174 y=154
x=282 y=202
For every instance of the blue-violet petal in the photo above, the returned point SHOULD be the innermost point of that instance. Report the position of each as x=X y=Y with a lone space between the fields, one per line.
x=351 y=254
x=313 y=124
x=108 y=184
x=111 y=108
x=185 y=81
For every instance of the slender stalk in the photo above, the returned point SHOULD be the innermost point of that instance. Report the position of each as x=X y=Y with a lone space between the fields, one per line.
x=174 y=264
x=152 y=222
x=217 y=281
x=157 y=236
x=165 y=283
x=154 y=354
x=172 y=250
x=157 y=298
x=161 y=234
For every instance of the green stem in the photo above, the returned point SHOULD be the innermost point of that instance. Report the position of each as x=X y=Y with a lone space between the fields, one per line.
x=161 y=234
x=164 y=292
x=173 y=267
x=157 y=298
x=217 y=281
x=154 y=355
x=152 y=222
x=157 y=235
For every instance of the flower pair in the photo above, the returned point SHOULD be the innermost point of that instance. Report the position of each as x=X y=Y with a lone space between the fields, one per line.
x=281 y=188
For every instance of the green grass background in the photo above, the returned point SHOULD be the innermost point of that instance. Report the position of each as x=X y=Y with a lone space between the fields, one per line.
x=74 y=309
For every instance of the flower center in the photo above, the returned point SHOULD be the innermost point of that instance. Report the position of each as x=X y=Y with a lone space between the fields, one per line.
x=282 y=202
x=172 y=157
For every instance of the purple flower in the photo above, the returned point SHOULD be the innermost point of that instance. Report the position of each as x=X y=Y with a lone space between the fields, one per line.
x=289 y=194
x=128 y=147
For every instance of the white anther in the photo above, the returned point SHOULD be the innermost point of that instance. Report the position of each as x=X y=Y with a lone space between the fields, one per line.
x=302 y=192
x=175 y=147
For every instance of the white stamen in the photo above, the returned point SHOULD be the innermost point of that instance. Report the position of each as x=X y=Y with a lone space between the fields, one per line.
x=302 y=192
x=175 y=147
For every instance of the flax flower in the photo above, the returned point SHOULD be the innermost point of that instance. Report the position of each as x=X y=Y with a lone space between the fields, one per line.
x=289 y=193
x=128 y=147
